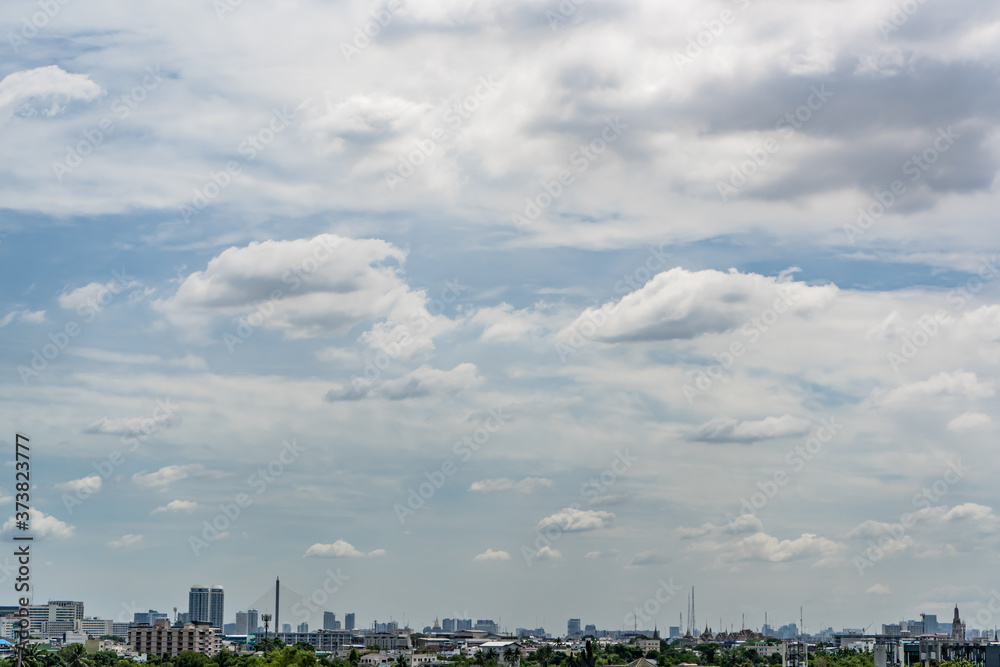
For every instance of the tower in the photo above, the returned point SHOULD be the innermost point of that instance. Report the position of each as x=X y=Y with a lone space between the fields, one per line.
x=277 y=599
x=957 y=627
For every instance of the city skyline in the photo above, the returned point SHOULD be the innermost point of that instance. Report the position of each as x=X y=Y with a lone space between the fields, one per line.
x=546 y=309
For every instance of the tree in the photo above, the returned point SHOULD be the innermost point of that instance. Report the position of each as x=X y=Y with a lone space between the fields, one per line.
x=543 y=655
x=587 y=658
x=512 y=656
x=708 y=651
x=354 y=658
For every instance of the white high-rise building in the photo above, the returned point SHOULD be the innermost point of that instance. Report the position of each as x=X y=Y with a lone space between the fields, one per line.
x=206 y=605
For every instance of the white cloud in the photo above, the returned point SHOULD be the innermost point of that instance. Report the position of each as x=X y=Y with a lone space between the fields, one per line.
x=43 y=526
x=167 y=475
x=307 y=288
x=418 y=383
x=126 y=542
x=548 y=553
x=340 y=549
x=157 y=422
x=43 y=91
x=878 y=589
x=503 y=323
x=648 y=558
x=572 y=520
x=490 y=555
x=186 y=506
x=681 y=304
x=526 y=486
x=29 y=316
x=725 y=429
x=92 y=484
x=960 y=384
x=968 y=421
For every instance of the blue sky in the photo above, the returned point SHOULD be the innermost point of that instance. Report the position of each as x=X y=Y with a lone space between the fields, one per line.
x=520 y=302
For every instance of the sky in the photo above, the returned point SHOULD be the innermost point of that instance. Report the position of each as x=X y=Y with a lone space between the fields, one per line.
x=522 y=310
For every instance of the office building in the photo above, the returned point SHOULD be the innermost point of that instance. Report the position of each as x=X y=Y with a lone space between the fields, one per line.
x=486 y=625
x=286 y=627
x=229 y=629
x=573 y=627
x=303 y=628
x=329 y=620
x=241 y=623
x=97 y=627
x=590 y=630
x=930 y=623
x=448 y=625
x=206 y=605
x=349 y=621
x=463 y=624
x=77 y=607
x=147 y=617
x=253 y=622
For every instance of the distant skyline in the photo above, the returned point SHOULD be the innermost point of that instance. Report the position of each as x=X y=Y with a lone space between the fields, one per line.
x=515 y=309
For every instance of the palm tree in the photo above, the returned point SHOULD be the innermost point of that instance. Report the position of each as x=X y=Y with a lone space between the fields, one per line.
x=512 y=656
x=491 y=657
x=30 y=656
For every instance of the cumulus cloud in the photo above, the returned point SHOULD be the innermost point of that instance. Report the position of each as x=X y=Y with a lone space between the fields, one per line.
x=526 y=486
x=547 y=553
x=91 y=484
x=43 y=91
x=503 y=323
x=572 y=520
x=340 y=549
x=126 y=542
x=726 y=429
x=43 y=526
x=186 y=506
x=681 y=304
x=878 y=589
x=959 y=384
x=167 y=475
x=490 y=555
x=968 y=421
x=29 y=316
x=310 y=287
x=96 y=296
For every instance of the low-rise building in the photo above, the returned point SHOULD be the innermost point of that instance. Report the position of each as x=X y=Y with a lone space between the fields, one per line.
x=162 y=639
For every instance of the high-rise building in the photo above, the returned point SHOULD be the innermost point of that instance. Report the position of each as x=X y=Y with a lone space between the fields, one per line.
x=573 y=627
x=229 y=629
x=448 y=625
x=241 y=623
x=206 y=604
x=590 y=630
x=253 y=622
x=329 y=620
x=930 y=623
x=349 y=621
x=463 y=624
